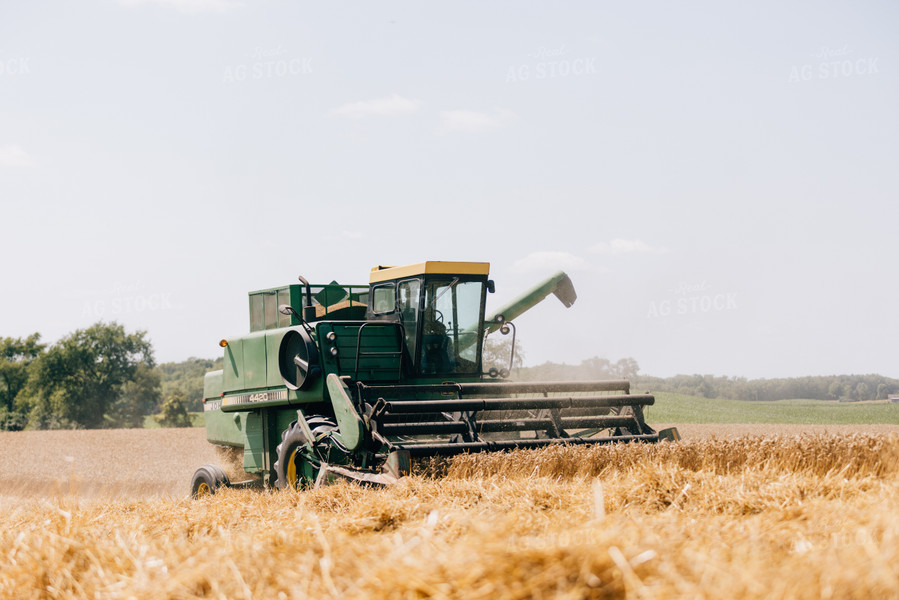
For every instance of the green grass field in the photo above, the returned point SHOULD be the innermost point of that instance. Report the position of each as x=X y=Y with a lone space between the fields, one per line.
x=679 y=408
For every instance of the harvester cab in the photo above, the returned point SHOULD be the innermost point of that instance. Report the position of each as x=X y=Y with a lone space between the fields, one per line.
x=349 y=381
x=440 y=308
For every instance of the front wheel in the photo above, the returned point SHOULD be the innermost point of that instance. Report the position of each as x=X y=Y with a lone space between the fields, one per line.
x=294 y=469
x=207 y=480
x=293 y=440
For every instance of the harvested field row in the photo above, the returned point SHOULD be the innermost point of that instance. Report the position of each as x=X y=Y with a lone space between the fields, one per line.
x=104 y=463
x=809 y=516
x=146 y=463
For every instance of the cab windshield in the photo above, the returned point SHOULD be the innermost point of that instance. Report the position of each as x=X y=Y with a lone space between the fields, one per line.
x=451 y=321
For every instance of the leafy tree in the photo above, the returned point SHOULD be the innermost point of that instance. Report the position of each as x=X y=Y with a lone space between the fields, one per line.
x=862 y=392
x=174 y=412
x=705 y=389
x=139 y=397
x=626 y=368
x=598 y=368
x=835 y=390
x=16 y=354
x=80 y=379
x=187 y=378
x=847 y=392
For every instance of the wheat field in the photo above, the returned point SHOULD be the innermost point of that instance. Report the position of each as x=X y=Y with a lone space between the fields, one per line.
x=808 y=513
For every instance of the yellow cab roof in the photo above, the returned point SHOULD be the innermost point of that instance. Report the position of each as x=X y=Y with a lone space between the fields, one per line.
x=430 y=267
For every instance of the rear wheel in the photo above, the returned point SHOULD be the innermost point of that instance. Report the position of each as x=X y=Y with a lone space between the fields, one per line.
x=207 y=480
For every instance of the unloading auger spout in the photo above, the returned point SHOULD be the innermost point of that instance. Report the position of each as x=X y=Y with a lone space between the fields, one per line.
x=559 y=284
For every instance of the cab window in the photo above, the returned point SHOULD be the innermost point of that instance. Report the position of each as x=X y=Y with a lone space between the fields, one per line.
x=451 y=326
x=408 y=293
x=383 y=299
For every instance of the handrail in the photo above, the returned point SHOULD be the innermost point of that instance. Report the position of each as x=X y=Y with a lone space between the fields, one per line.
x=397 y=354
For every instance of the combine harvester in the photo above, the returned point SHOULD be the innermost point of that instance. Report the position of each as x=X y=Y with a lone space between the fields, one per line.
x=345 y=381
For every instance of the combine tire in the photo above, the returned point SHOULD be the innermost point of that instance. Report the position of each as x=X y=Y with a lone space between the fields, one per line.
x=290 y=467
x=207 y=480
x=290 y=458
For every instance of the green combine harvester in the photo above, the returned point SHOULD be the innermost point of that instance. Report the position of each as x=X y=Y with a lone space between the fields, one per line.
x=346 y=381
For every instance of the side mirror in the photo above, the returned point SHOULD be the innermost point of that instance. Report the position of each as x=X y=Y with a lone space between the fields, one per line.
x=491 y=287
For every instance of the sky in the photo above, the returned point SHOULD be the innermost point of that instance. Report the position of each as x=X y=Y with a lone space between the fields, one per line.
x=719 y=179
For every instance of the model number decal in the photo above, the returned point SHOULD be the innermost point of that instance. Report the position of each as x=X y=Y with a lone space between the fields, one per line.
x=255 y=397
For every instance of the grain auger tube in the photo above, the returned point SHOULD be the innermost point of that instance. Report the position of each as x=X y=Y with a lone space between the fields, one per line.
x=345 y=381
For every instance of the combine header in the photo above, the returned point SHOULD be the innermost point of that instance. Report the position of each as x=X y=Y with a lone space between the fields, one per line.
x=345 y=381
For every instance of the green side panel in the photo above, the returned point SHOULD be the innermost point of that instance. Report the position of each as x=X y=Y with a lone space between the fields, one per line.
x=221 y=427
x=380 y=350
x=272 y=346
x=212 y=385
x=233 y=366
x=254 y=361
x=253 y=442
x=251 y=362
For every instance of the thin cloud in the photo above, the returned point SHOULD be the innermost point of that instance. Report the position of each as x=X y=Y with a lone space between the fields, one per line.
x=379 y=107
x=619 y=246
x=190 y=6
x=544 y=261
x=470 y=121
x=14 y=156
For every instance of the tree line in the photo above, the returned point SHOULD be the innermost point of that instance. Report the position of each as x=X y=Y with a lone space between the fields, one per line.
x=98 y=377
x=847 y=388
x=104 y=376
